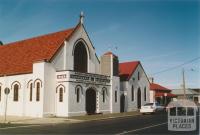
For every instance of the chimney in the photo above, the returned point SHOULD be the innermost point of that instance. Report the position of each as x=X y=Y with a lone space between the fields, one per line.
x=109 y=64
x=1 y=43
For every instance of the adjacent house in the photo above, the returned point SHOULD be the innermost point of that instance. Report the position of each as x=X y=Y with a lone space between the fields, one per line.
x=191 y=94
x=134 y=86
x=160 y=94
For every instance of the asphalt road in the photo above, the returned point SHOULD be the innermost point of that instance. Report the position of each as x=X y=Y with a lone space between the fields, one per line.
x=143 y=124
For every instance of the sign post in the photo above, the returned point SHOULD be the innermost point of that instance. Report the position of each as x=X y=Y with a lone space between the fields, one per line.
x=6 y=91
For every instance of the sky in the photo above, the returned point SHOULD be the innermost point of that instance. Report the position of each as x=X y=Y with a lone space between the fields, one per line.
x=161 y=34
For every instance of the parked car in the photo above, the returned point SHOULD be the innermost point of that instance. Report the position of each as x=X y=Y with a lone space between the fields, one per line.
x=151 y=108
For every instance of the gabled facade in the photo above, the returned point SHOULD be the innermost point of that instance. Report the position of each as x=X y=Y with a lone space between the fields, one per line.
x=56 y=74
x=134 y=86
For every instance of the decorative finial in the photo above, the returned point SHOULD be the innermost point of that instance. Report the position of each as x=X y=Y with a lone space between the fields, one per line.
x=81 y=17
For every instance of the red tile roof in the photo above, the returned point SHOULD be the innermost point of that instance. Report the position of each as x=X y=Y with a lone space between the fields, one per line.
x=18 y=57
x=126 y=69
x=154 y=86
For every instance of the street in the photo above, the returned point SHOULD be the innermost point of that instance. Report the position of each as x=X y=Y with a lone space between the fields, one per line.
x=141 y=124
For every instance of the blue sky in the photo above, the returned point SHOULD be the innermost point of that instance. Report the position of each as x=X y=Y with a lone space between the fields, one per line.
x=161 y=34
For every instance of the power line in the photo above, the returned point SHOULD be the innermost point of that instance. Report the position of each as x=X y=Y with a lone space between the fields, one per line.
x=180 y=65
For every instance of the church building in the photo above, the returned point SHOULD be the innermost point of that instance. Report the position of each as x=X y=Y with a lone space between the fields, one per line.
x=59 y=74
x=134 y=86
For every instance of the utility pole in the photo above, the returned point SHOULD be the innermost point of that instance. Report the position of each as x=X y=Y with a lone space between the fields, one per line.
x=6 y=91
x=183 y=72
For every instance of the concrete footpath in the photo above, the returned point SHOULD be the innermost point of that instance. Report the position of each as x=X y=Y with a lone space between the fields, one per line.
x=31 y=120
x=56 y=120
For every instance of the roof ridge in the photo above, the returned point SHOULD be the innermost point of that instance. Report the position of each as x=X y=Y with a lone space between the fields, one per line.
x=25 y=52
x=158 y=86
x=127 y=69
x=128 y=62
x=35 y=37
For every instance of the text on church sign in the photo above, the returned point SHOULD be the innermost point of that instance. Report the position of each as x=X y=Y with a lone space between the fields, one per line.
x=90 y=78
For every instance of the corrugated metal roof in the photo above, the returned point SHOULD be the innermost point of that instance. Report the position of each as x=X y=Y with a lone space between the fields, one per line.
x=187 y=92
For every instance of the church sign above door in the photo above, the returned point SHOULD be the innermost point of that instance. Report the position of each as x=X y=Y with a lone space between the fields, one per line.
x=89 y=78
x=62 y=76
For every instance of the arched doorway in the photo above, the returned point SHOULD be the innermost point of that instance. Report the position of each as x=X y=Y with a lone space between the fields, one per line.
x=90 y=101
x=80 y=58
x=139 y=98
x=122 y=103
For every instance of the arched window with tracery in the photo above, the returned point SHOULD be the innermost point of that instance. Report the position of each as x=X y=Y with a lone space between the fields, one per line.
x=80 y=58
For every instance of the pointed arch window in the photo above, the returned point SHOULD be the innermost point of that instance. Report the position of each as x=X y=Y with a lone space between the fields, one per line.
x=0 y=93
x=16 y=92
x=78 y=91
x=138 y=75
x=145 y=95
x=104 y=93
x=77 y=95
x=103 y=96
x=61 y=91
x=31 y=92
x=80 y=58
x=37 y=91
x=115 y=96
x=132 y=93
